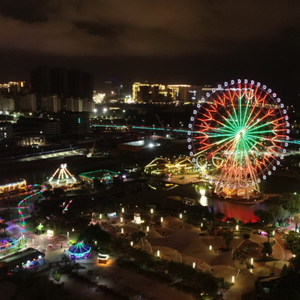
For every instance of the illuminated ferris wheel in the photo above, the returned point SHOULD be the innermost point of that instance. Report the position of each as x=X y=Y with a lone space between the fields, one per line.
x=242 y=128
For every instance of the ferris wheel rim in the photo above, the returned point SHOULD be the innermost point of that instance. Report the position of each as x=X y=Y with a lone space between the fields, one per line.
x=267 y=170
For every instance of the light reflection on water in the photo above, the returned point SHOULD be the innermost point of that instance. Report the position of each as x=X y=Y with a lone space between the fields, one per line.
x=240 y=212
x=243 y=212
x=203 y=200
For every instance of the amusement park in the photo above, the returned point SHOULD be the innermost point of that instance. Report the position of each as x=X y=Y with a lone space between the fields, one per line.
x=208 y=210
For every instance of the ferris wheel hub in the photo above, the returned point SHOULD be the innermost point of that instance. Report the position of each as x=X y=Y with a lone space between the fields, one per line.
x=241 y=128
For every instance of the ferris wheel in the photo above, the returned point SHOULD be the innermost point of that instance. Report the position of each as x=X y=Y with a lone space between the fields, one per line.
x=244 y=127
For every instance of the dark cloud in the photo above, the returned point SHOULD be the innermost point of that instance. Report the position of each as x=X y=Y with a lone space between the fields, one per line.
x=188 y=40
x=102 y=30
x=30 y=11
x=145 y=28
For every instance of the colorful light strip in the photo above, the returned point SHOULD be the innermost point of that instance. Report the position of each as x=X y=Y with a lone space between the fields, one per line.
x=245 y=127
x=176 y=130
x=22 y=201
x=80 y=250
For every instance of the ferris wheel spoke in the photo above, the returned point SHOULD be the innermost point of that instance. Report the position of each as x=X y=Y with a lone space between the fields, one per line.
x=208 y=146
x=246 y=113
x=260 y=124
x=243 y=125
x=253 y=123
x=231 y=125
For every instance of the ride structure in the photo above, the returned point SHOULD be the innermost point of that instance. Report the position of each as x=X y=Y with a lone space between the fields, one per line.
x=79 y=251
x=241 y=129
x=181 y=165
x=62 y=176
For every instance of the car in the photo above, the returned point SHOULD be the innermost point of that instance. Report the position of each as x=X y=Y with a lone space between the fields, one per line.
x=278 y=230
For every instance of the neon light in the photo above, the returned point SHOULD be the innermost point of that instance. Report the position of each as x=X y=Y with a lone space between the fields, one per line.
x=63 y=175
x=79 y=251
x=67 y=206
x=22 y=201
x=243 y=131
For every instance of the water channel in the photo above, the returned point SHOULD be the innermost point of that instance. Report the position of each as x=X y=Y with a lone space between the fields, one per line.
x=243 y=212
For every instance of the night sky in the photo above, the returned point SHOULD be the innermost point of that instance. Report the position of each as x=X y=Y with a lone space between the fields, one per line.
x=162 y=41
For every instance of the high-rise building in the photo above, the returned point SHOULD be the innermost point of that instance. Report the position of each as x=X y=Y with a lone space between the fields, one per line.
x=76 y=123
x=80 y=84
x=27 y=102
x=6 y=131
x=50 y=103
x=41 y=80
x=75 y=82
x=137 y=93
x=13 y=88
x=59 y=82
x=74 y=104
x=180 y=92
x=88 y=106
x=88 y=85
x=7 y=103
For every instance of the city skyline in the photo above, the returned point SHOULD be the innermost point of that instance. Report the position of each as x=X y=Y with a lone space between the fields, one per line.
x=199 y=42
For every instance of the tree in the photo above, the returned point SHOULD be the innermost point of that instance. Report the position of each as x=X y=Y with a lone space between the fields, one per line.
x=264 y=216
x=220 y=216
x=94 y=233
x=228 y=237
x=57 y=192
x=292 y=205
x=65 y=259
x=284 y=270
x=47 y=194
x=296 y=219
x=278 y=212
x=267 y=248
x=32 y=285
x=282 y=294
